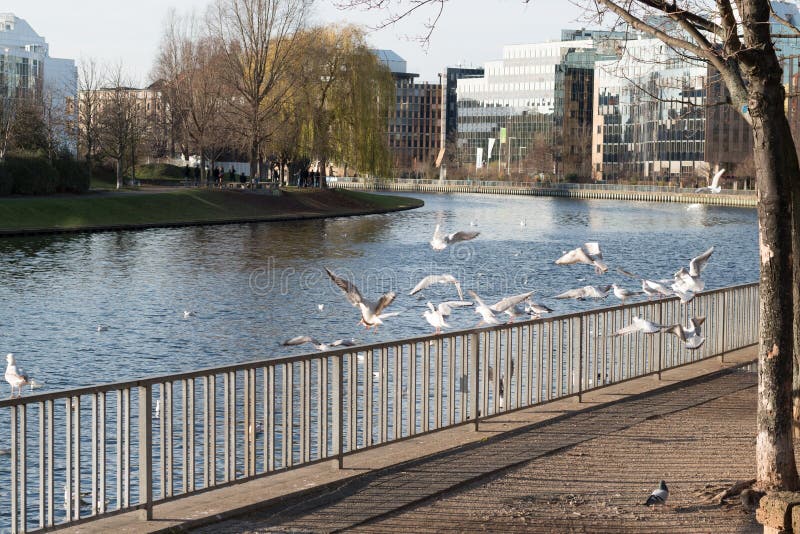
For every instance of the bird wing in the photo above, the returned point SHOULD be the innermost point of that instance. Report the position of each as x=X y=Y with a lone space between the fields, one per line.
x=578 y=293
x=624 y=331
x=698 y=263
x=476 y=298
x=508 y=302
x=595 y=292
x=593 y=250
x=461 y=236
x=344 y=343
x=659 y=496
x=677 y=330
x=538 y=308
x=384 y=301
x=299 y=340
x=696 y=323
x=703 y=190
x=576 y=255
x=694 y=342
x=629 y=274
x=715 y=179
x=434 y=279
x=437 y=233
x=445 y=308
x=350 y=290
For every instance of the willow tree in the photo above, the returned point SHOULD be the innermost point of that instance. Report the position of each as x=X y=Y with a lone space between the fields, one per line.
x=343 y=97
x=735 y=38
x=259 y=40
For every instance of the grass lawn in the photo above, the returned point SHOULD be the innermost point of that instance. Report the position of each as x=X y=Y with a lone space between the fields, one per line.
x=183 y=206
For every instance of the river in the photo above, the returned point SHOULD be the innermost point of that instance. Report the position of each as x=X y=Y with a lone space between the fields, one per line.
x=253 y=285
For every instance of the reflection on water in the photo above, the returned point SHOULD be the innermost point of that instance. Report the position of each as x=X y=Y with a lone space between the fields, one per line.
x=254 y=285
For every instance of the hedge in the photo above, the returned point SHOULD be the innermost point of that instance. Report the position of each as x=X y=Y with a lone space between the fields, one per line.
x=34 y=174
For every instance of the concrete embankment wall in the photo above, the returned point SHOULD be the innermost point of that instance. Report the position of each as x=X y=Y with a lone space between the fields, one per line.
x=644 y=196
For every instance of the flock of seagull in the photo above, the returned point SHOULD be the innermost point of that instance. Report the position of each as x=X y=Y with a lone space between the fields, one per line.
x=685 y=283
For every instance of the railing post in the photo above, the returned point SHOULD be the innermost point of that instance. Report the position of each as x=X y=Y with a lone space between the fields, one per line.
x=724 y=310
x=475 y=343
x=660 y=338
x=339 y=403
x=146 y=451
x=580 y=359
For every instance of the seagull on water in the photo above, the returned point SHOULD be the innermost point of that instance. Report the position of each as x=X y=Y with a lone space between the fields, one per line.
x=659 y=496
x=689 y=335
x=371 y=312
x=102 y=328
x=13 y=376
x=438 y=279
x=187 y=314
x=440 y=240
x=585 y=292
x=319 y=345
x=714 y=187
x=436 y=315
x=589 y=254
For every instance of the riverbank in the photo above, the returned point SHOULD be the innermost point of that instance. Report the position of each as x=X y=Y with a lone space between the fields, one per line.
x=745 y=199
x=185 y=207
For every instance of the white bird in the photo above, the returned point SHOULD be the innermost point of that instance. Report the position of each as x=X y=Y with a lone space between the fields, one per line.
x=589 y=254
x=187 y=314
x=624 y=294
x=535 y=309
x=436 y=315
x=319 y=345
x=102 y=327
x=473 y=222
x=371 y=315
x=659 y=496
x=440 y=240
x=651 y=288
x=157 y=413
x=688 y=281
x=639 y=325
x=320 y=307
x=14 y=378
x=509 y=305
x=486 y=313
x=438 y=279
x=689 y=335
x=714 y=187
x=585 y=292
x=523 y=222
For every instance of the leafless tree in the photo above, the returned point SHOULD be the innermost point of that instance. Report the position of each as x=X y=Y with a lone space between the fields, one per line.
x=89 y=82
x=258 y=39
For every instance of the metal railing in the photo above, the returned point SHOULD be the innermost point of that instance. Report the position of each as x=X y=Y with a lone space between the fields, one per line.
x=87 y=452
x=558 y=186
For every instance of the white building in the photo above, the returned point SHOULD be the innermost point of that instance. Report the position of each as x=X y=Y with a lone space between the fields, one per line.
x=28 y=71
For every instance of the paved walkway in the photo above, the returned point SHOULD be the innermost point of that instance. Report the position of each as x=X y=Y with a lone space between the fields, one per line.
x=377 y=483
x=585 y=472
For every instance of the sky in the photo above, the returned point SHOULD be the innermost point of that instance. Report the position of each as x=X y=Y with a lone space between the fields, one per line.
x=470 y=32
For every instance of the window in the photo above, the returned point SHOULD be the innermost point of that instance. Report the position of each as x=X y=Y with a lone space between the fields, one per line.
x=598 y=149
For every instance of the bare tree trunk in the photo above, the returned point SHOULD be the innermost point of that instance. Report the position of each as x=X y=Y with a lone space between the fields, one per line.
x=119 y=173
x=776 y=469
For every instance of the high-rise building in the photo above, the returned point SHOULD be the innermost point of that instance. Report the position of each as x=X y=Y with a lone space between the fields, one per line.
x=28 y=71
x=531 y=112
x=415 y=123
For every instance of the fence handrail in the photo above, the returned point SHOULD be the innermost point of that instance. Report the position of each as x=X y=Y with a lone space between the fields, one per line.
x=295 y=358
x=155 y=439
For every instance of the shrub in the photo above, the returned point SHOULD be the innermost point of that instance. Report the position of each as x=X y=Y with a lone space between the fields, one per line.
x=73 y=176
x=29 y=174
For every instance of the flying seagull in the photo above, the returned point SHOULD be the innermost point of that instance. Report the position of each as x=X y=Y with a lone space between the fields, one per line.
x=651 y=288
x=486 y=312
x=585 y=292
x=319 y=345
x=589 y=254
x=639 y=325
x=436 y=315
x=689 y=335
x=440 y=240
x=511 y=305
x=438 y=279
x=659 y=496
x=714 y=187
x=15 y=379
x=624 y=294
x=371 y=312
x=686 y=281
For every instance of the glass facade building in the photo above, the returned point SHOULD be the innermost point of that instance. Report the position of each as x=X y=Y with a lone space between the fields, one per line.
x=540 y=96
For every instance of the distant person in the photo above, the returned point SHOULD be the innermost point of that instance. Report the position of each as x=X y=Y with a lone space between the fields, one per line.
x=242 y=178
x=232 y=175
x=187 y=172
x=197 y=174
